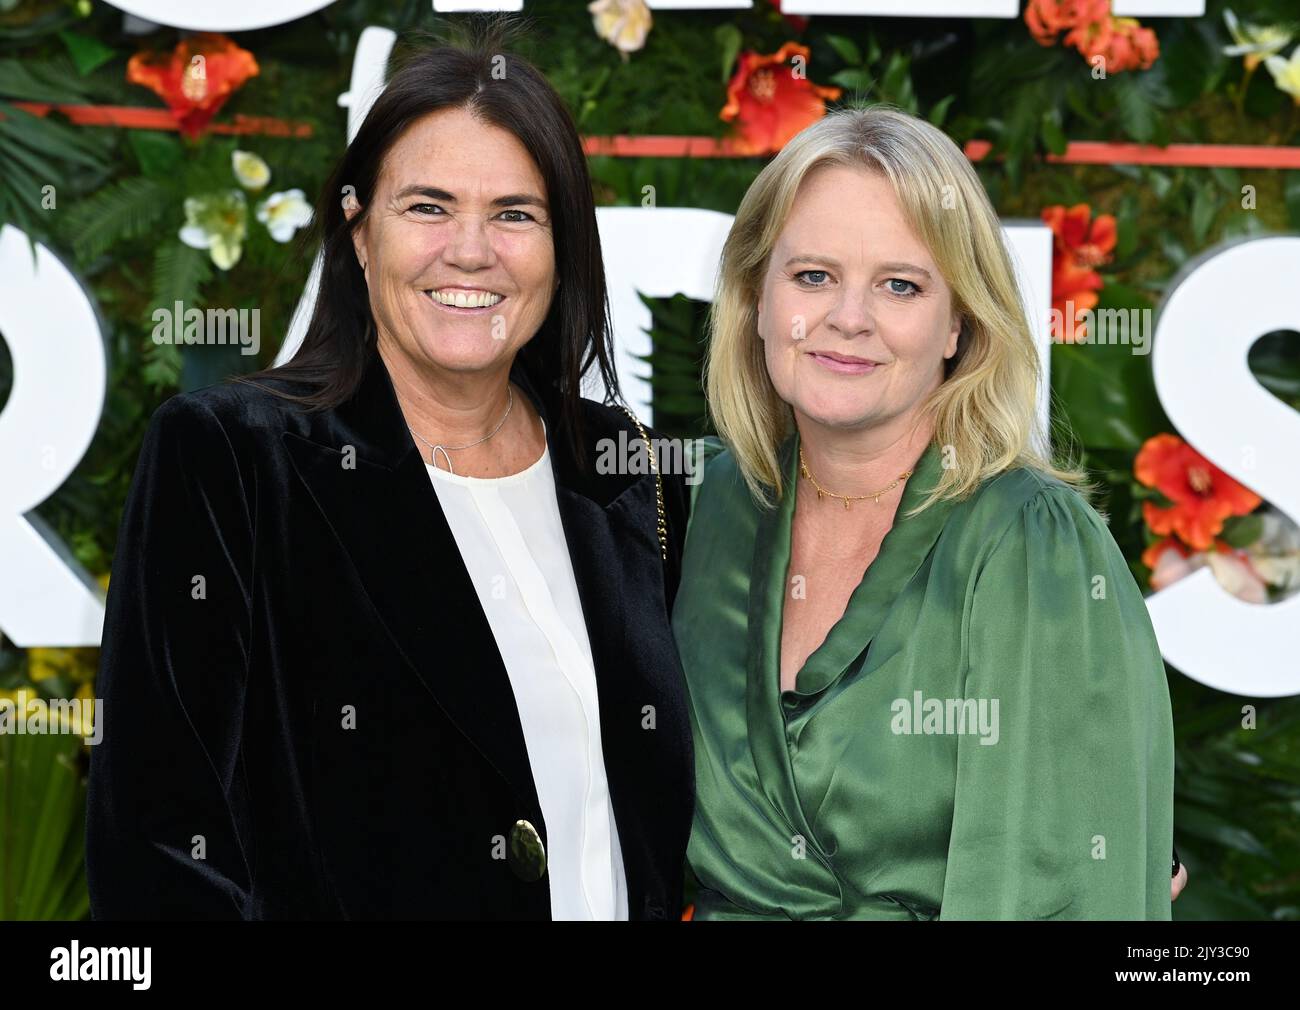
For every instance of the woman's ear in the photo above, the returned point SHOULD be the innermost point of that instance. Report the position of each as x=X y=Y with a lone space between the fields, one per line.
x=954 y=335
x=351 y=208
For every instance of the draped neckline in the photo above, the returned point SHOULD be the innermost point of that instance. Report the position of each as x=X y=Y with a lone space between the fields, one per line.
x=902 y=552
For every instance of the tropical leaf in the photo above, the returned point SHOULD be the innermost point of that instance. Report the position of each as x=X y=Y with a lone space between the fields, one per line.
x=127 y=209
x=42 y=874
x=48 y=80
x=178 y=275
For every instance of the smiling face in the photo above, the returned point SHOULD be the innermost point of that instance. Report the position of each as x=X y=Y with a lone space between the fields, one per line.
x=457 y=245
x=855 y=317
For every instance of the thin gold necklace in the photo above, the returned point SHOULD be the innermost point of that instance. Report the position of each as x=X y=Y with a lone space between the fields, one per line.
x=822 y=492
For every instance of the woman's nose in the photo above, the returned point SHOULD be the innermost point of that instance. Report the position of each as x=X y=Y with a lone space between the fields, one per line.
x=852 y=315
x=470 y=246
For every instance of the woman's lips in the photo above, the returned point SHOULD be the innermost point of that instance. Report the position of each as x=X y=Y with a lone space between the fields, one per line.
x=843 y=367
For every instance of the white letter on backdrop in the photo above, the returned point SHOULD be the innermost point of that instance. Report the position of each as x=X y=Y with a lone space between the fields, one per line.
x=59 y=377
x=1230 y=299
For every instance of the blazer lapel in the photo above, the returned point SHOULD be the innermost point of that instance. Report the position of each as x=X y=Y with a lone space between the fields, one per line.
x=385 y=513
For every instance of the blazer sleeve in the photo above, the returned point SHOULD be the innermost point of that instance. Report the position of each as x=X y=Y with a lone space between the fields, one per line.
x=1068 y=814
x=167 y=834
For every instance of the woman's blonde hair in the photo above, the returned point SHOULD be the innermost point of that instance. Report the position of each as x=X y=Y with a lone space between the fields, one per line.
x=985 y=408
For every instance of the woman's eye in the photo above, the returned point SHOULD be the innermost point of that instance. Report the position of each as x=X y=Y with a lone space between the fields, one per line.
x=523 y=216
x=423 y=208
x=909 y=291
x=813 y=278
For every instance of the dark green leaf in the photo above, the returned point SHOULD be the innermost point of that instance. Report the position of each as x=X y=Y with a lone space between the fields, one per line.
x=846 y=48
x=854 y=79
x=1205 y=205
x=158 y=153
x=939 y=111
x=729 y=41
x=1242 y=531
x=1052 y=134
x=87 y=53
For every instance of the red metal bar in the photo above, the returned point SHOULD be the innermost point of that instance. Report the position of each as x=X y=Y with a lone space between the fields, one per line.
x=1078 y=152
x=136 y=118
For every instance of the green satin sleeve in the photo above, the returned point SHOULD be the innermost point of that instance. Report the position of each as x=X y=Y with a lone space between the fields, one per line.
x=1055 y=819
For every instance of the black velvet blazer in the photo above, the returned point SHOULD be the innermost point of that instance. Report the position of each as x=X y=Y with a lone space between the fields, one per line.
x=305 y=712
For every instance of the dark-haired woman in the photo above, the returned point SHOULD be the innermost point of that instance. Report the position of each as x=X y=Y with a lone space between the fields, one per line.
x=380 y=642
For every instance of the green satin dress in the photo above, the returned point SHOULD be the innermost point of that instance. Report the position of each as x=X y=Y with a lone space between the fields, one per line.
x=984 y=734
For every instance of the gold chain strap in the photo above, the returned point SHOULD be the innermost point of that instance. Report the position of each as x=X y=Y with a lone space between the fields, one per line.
x=662 y=523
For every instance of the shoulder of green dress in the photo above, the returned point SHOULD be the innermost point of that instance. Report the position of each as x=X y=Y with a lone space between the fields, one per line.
x=708 y=447
x=1002 y=502
x=714 y=467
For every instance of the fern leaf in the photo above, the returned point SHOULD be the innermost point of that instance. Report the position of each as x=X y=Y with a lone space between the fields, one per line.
x=127 y=209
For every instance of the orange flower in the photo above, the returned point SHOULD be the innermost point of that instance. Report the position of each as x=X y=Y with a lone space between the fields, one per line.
x=689 y=914
x=1122 y=43
x=195 y=78
x=1079 y=243
x=1046 y=19
x=1088 y=25
x=770 y=102
x=1202 y=495
x=1075 y=231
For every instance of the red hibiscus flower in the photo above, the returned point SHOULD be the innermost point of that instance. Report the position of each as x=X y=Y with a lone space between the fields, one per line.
x=1079 y=243
x=195 y=78
x=770 y=101
x=1202 y=495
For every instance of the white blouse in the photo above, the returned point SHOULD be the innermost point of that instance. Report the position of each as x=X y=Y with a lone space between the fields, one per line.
x=510 y=537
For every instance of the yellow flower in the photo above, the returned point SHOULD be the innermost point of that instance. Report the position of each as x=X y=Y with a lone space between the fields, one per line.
x=77 y=664
x=44 y=663
x=1286 y=73
x=624 y=24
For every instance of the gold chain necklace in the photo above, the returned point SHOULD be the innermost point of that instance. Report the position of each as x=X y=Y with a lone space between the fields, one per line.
x=822 y=492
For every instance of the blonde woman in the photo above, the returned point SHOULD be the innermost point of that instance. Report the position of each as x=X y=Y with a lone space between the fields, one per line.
x=979 y=726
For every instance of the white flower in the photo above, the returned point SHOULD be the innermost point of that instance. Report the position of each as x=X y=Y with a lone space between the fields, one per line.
x=1255 y=42
x=217 y=222
x=251 y=171
x=624 y=24
x=1235 y=574
x=284 y=213
x=1171 y=565
x=1286 y=73
x=1276 y=554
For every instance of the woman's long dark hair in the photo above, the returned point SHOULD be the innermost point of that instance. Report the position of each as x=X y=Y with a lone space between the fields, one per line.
x=477 y=74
